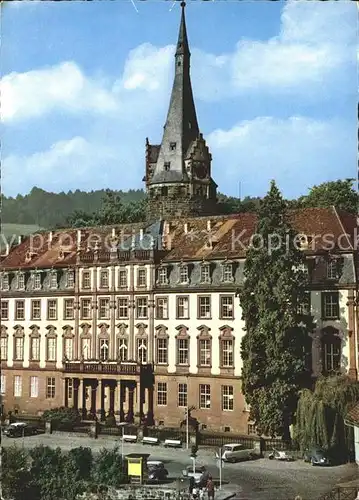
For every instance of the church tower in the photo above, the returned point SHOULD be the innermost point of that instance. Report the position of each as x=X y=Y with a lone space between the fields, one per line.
x=178 y=171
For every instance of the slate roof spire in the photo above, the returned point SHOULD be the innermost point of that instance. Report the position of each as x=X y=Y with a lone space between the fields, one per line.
x=181 y=126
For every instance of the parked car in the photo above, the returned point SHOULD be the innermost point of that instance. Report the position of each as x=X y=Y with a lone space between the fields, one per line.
x=18 y=429
x=198 y=473
x=236 y=452
x=317 y=456
x=156 y=471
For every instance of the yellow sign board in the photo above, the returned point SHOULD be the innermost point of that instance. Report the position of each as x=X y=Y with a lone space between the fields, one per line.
x=134 y=467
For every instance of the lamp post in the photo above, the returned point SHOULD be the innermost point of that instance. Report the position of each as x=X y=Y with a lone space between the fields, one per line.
x=122 y=424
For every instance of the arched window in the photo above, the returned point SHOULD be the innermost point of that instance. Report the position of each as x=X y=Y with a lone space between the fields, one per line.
x=142 y=350
x=85 y=348
x=103 y=349
x=122 y=349
x=331 y=351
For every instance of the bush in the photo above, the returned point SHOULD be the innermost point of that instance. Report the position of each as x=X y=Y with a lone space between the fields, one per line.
x=62 y=418
x=110 y=421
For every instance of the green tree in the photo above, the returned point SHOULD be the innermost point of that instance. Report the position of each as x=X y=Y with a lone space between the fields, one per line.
x=340 y=194
x=47 y=471
x=321 y=413
x=108 y=468
x=15 y=475
x=276 y=347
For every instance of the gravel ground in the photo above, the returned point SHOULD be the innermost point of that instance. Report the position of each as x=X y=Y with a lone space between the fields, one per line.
x=256 y=480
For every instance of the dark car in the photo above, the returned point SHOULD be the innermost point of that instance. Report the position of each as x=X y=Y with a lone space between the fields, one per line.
x=19 y=429
x=156 y=471
x=317 y=456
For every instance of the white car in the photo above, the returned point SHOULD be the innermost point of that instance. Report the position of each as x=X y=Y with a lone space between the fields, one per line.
x=197 y=474
x=235 y=452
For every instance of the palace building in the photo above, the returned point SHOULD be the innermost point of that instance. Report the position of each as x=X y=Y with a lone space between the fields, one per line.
x=144 y=320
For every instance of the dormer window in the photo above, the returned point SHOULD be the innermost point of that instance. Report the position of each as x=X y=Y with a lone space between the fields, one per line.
x=205 y=273
x=70 y=279
x=167 y=165
x=184 y=277
x=162 y=276
x=172 y=146
x=37 y=281
x=5 y=282
x=227 y=272
x=53 y=279
x=332 y=269
x=21 y=281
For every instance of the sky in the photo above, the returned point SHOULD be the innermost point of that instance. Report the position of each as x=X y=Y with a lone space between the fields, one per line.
x=84 y=83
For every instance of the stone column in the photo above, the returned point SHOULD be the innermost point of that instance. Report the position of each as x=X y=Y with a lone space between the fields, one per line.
x=112 y=353
x=130 y=414
x=65 y=383
x=93 y=398
x=76 y=393
x=352 y=373
x=150 y=415
x=151 y=326
x=77 y=313
x=81 y=396
x=94 y=343
x=99 y=399
x=131 y=311
x=112 y=399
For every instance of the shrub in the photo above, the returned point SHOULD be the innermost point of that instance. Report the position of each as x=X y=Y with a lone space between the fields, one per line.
x=62 y=418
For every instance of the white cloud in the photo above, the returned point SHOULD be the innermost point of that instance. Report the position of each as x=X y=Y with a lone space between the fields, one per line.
x=298 y=152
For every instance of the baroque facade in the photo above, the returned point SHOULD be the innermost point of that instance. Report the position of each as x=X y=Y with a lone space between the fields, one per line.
x=143 y=320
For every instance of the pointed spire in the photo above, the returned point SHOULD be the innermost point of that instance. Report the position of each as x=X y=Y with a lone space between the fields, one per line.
x=182 y=44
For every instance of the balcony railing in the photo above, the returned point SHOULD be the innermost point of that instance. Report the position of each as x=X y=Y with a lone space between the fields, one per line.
x=105 y=367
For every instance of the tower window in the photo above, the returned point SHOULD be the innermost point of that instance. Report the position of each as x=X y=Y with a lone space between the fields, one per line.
x=172 y=146
x=179 y=63
x=167 y=165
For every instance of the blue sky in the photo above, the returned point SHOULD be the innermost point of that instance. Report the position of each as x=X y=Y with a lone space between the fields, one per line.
x=84 y=83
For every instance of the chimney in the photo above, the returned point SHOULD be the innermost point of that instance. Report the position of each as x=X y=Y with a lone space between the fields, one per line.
x=78 y=238
x=209 y=226
x=7 y=249
x=20 y=239
x=141 y=234
x=113 y=233
x=50 y=237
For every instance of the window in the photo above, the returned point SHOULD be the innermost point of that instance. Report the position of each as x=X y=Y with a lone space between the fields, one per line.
x=332 y=269
x=69 y=309
x=227 y=398
x=167 y=165
x=227 y=353
x=21 y=281
x=162 y=351
x=227 y=272
x=103 y=350
x=70 y=279
x=34 y=387
x=162 y=276
x=141 y=307
x=3 y=348
x=182 y=351
x=36 y=309
x=19 y=349
x=226 y=305
x=104 y=308
x=305 y=307
x=35 y=349
x=50 y=387
x=162 y=308
x=70 y=388
x=37 y=281
x=172 y=146
x=122 y=278
x=204 y=307
x=141 y=277
x=5 y=283
x=122 y=349
x=204 y=352
x=3 y=384
x=182 y=395
x=205 y=396
x=331 y=348
x=85 y=348
x=17 y=386
x=103 y=278
x=51 y=349
x=69 y=348
x=19 y=310
x=142 y=350
x=122 y=307
x=51 y=309
x=251 y=429
x=4 y=309
x=161 y=394
x=86 y=279
x=86 y=308
x=184 y=275
x=205 y=274
x=330 y=305
x=53 y=280
x=182 y=307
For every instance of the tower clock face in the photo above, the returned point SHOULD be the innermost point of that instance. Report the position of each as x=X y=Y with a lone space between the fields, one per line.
x=201 y=171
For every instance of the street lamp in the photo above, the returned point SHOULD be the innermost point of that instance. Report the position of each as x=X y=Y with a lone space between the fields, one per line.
x=122 y=424
x=188 y=411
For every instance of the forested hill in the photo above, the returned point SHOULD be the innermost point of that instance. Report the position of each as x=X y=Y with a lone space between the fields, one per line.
x=47 y=209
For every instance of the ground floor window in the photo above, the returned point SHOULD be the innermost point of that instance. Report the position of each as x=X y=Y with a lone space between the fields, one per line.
x=182 y=395
x=161 y=394
x=34 y=387
x=50 y=387
x=227 y=397
x=17 y=386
